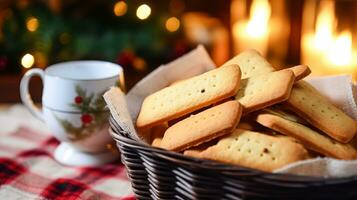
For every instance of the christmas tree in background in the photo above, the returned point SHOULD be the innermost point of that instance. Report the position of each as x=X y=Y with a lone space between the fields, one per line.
x=138 y=35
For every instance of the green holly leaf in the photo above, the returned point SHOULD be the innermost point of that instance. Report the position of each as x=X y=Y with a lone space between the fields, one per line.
x=80 y=92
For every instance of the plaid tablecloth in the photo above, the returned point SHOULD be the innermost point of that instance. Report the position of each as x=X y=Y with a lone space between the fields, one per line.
x=28 y=171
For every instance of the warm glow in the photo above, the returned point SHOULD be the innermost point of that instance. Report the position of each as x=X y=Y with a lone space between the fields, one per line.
x=27 y=61
x=120 y=8
x=172 y=24
x=324 y=26
x=325 y=49
x=32 y=24
x=259 y=17
x=254 y=32
x=340 y=52
x=336 y=48
x=143 y=11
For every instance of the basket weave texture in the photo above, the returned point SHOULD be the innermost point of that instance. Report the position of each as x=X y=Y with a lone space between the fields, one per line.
x=159 y=174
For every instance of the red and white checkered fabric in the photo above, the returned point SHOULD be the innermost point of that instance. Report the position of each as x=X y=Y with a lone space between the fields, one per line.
x=28 y=171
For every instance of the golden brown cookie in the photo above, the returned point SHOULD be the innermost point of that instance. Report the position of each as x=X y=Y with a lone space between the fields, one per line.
x=187 y=96
x=320 y=112
x=251 y=63
x=254 y=150
x=202 y=127
x=307 y=136
x=265 y=90
x=300 y=71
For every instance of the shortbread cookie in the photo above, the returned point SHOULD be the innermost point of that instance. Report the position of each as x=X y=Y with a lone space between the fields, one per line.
x=300 y=71
x=282 y=111
x=157 y=133
x=202 y=127
x=265 y=90
x=312 y=139
x=245 y=126
x=312 y=106
x=251 y=63
x=254 y=150
x=189 y=95
x=195 y=151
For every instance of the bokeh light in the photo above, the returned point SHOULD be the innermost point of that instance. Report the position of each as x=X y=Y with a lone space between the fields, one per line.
x=172 y=24
x=120 y=8
x=27 y=60
x=32 y=24
x=143 y=11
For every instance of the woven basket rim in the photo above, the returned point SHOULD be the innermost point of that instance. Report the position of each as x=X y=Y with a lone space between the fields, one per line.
x=179 y=158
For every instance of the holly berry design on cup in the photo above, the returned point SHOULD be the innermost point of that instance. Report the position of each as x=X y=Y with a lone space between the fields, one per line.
x=78 y=100
x=93 y=115
x=86 y=119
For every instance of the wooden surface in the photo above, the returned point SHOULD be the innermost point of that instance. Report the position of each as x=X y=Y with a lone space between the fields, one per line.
x=10 y=88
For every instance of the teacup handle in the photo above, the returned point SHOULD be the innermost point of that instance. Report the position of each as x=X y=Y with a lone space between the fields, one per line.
x=25 y=94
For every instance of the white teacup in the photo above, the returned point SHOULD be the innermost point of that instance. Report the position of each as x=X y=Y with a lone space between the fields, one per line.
x=74 y=110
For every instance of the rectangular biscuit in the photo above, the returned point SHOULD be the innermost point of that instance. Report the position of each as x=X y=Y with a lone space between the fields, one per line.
x=315 y=108
x=251 y=63
x=265 y=90
x=253 y=150
x=312 y=139
x=202 y=127
x=189 y=95
x=300 y=71
x=157 y=133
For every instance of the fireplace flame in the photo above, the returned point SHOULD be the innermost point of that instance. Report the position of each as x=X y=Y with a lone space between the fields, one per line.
x=327 y=50
x=257 y=25
x=324 y=26
x=340 y=51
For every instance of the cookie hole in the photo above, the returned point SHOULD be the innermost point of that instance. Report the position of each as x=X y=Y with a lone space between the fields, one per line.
x=253 y=67
x=196 y=121
x=249 y=151
x=236 y=139
x=336 y=115
x=333 y=142
x=153 y=108
x=329 y=108
x=162 y=105
x=332 y=117
x=271 y=145
x=245 y=73
x=189 y=94
x=229 y=146
x=248 y=60
x=261 y=155
x=265 y=150
x=203 y=91
x=322 y=111
x=204 y=118
x=212 y=115
x=313 y=105
x=214 y=85
x=205 y=79
x=302 y=98
x=273 y=158
x=214 y=75
x=248 y=139
x=238 y=150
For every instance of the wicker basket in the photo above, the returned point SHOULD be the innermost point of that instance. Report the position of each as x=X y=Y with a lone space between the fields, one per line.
x=160 y=174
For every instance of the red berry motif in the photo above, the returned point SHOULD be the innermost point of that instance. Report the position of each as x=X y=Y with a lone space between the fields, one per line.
x=78 y=99
x=86 y=118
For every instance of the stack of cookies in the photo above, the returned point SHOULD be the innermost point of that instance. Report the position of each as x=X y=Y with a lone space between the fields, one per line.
x=248 y=113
